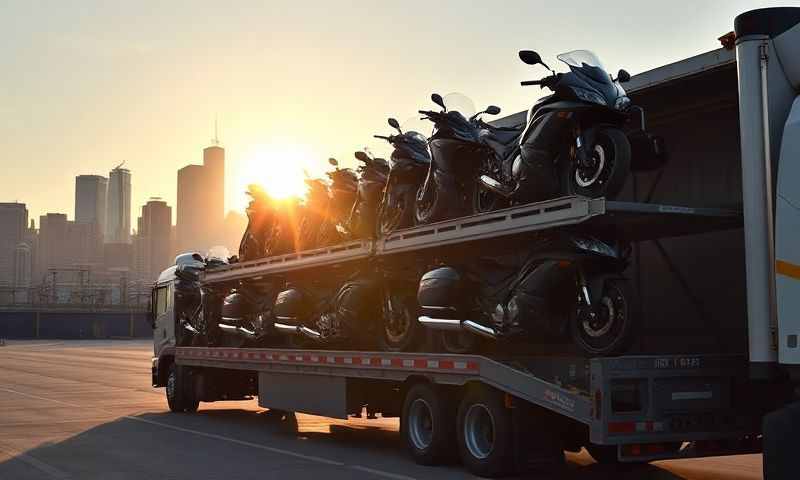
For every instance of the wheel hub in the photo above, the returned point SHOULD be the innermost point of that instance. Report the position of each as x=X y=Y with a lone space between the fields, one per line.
x=479 y=431
x=420 y=424
x=587 y=176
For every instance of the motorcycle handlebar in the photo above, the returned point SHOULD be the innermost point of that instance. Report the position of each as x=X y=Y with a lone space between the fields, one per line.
x=383 y=137
x=530 y=82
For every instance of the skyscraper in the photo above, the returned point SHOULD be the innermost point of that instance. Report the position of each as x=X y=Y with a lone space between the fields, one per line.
x=90 y=200
x=201 y=202
x=154 y=246
x=13 y=228
x=214 y=166
x=118 y=206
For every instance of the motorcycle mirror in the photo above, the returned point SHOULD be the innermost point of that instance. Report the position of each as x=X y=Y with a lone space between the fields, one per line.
x=530 y=57
x=623 y=76
x=333 y=162
x=438 y=100
x=493 y=110
x=395 y=124
x=362 y=156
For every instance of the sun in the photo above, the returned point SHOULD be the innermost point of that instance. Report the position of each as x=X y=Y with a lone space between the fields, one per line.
x=280 y=169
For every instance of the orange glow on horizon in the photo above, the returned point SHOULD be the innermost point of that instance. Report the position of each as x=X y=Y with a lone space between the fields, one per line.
x=279 y=169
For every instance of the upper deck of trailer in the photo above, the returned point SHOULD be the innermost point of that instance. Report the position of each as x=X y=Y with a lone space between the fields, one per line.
x=627 y=220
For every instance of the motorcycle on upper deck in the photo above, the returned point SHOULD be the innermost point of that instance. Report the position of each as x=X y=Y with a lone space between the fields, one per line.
x=577 y=141
x=408 y=166
x=457 y=157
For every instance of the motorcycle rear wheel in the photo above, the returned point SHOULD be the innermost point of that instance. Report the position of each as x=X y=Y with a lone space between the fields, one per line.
x=400 y=330
x=611 y=153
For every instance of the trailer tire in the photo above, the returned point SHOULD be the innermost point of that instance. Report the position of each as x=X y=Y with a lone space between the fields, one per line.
x=173 y=390
x=427 y=424
x=603 y=454
x=485 y=434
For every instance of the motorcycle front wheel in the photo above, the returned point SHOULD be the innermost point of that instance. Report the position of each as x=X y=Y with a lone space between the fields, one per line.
x=609 y=167
x=607 y=328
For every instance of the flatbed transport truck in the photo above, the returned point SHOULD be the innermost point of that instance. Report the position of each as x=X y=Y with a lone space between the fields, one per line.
x=728 y=264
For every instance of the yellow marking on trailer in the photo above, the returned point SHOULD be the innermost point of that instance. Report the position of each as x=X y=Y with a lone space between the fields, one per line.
x=788 y=269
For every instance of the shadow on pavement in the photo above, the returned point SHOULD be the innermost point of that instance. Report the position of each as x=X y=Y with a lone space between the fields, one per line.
x=244 y=444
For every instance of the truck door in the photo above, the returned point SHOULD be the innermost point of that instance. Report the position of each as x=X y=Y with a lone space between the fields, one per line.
x=163 y=305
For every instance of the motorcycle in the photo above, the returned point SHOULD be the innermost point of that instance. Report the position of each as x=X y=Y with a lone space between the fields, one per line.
x=312 y=314
x=197 y=306
x=569 y=284
x=312 y=225
x=246 y=314
x=260 y=216
x=408 y=166
x=457 y=155
x=343 y=193
x=573 y=141
x=372 y=177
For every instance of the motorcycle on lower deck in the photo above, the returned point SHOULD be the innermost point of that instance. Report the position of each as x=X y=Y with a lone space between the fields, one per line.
x=570 y=285
x=574 y=141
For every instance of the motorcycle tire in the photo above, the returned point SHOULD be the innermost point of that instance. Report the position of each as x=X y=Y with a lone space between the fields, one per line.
x=618 y=317
x=395 y=217
x=613 y=150
x=429 y=207
x=402 y=331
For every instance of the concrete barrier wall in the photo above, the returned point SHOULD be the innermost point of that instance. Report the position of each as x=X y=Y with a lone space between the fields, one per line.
x=73 y=325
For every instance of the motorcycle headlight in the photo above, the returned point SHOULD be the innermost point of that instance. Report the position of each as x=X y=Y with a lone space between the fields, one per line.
x=596 y=246
x=589 y=96
x=622 y=103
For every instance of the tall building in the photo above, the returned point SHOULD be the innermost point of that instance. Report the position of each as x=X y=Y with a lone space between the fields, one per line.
x=214 y=166
x=90 y=200
x=118 y=206
x=13 y=230
x=52 y=245
x=201 y=202
x=153 y=244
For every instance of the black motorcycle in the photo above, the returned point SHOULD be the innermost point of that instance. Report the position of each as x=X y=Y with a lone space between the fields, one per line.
x=343 y=191
x=457 y=156
x=317 y=313
x=408 y=166
x=260 y=215
x=569 y=284
x=371 y=182
x=573 y=141
x=246 y=315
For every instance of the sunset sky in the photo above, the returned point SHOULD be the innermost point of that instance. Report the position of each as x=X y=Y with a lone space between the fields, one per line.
x=86 y=85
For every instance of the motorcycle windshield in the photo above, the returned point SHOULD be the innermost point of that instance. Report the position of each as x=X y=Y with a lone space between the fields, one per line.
x=590 y=73
x=415 y=146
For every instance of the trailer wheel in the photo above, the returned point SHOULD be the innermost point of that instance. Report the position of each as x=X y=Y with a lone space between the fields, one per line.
x=427 y=424
x=485 y=434
x=603 y=454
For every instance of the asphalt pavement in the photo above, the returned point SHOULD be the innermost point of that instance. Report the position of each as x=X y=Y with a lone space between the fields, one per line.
x=85 y=410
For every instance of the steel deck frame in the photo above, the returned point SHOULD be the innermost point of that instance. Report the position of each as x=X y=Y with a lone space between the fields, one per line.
x=559 y=212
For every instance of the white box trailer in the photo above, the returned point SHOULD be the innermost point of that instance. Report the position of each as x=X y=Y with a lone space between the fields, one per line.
x=731 y=119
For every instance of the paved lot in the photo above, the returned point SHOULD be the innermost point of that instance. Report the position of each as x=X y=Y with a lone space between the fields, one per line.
x=85 y=410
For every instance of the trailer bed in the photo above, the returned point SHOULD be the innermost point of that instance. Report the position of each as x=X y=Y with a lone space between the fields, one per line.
x=622 y=400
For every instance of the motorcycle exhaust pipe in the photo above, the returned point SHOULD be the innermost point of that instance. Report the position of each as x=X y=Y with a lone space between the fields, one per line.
x=285 y=329
x=440 y=323
x=496 y=187
x=312 y=334
x=478 y=329
x=239 y=330
x=188 y=327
